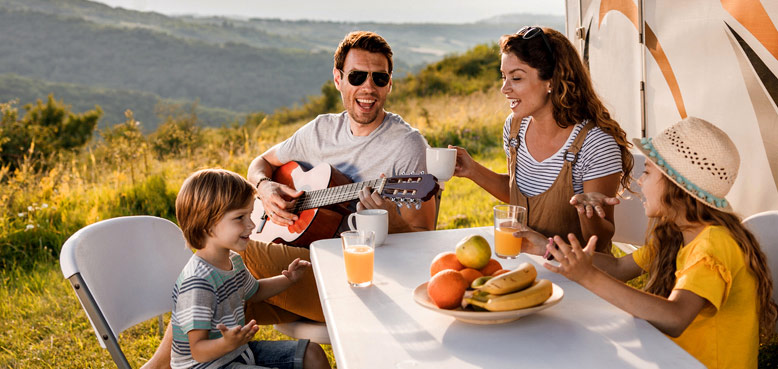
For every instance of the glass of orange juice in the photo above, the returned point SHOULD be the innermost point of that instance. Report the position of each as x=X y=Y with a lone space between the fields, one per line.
x=358 y=251
x=507 y=220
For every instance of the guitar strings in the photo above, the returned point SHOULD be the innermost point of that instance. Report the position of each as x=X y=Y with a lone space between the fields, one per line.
x=332 y=195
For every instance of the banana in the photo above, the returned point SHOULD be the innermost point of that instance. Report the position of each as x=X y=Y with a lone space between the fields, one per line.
x=512 y=281
x=529 y=297
x=478 y=282
x=478 y=305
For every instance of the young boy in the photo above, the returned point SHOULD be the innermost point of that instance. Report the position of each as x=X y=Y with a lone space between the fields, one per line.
x=213 y=210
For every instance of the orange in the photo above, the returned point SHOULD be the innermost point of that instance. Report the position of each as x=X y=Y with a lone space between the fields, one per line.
x=491 y=267
x=446 y=289
x=501 y=271
x=470 y=275
x=445 y=260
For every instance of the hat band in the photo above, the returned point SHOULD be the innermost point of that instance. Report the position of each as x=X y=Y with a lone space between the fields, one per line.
x=672 y=173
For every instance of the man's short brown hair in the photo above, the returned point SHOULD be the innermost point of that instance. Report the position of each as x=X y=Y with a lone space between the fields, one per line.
x=362 y=40
x=205 y=197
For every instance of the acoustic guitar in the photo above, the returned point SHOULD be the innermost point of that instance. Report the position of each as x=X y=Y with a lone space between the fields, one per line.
x=323 y=204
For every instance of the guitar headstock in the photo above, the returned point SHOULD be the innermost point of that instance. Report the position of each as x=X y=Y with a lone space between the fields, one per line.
x=410 y=188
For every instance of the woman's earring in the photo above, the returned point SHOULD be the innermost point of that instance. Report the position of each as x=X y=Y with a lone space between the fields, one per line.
x=549 y=90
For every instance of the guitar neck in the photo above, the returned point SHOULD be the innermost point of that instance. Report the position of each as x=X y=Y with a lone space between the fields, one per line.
x=335 y=195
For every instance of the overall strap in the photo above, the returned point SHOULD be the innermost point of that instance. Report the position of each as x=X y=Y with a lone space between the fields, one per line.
x=516 y=197
x=575 y=147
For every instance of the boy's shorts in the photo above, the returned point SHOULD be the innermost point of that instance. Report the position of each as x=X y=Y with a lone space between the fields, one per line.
x=272 y=354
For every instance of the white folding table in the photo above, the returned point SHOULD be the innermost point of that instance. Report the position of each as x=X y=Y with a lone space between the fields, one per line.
x=381 y=326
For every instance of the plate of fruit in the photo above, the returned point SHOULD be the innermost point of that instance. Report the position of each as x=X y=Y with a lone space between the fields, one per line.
x=485 y=295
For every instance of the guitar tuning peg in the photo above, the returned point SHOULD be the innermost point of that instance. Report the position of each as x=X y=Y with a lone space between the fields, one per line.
x=422 y=172
x=418 y=205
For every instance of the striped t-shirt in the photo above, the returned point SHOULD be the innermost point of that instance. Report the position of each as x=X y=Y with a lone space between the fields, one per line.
x=203 y=297
x=599 y=157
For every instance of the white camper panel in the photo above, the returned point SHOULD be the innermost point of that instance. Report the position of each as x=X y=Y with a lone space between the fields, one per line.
x=715 y=59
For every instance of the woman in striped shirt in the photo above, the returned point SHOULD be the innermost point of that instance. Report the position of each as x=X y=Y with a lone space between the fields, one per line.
x=561 y=144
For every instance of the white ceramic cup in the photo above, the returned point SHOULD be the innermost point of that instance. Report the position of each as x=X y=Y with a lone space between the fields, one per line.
x=376 y=220
x=441 y=162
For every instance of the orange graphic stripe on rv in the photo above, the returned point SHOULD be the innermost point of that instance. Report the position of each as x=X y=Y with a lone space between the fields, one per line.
x=630 y=10
x=753 y=16
x=667 y=71
x=626 y=7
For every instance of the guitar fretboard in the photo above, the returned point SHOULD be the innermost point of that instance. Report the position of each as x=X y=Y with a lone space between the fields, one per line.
x=335 y=195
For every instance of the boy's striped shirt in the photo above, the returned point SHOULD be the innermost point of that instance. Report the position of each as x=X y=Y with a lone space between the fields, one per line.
x=203 y=297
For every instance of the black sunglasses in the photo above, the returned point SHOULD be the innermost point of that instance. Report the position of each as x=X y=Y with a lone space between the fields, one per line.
x=358 y=77
x=530 y=32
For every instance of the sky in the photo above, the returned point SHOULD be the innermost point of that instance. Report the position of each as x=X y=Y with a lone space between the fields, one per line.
x=391 y=11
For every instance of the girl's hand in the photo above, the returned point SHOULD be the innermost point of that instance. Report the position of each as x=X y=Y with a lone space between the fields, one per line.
x=237 y=335
x=534 y=243
x=296 y=269
x=574 y=263
x=464 y=163
x=591 y=202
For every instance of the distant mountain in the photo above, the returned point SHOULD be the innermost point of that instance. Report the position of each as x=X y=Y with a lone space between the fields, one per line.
x=519 y=20
x=113 y=102
x=236 y=65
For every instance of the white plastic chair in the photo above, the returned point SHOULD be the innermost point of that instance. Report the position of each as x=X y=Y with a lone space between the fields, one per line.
x=123 y=271
x=764 y=226
x=631 y=220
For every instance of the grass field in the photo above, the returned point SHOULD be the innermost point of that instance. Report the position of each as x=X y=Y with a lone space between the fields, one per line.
x=42 y=324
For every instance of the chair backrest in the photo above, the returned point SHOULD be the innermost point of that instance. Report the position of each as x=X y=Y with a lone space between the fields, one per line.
x=129 y=265
x=764 y=226
x=630 y=218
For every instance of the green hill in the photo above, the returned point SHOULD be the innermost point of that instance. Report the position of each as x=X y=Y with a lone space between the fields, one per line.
x=230 y=76
x=113 y=102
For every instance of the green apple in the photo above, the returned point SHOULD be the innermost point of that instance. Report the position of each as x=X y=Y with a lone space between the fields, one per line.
x=474 y=251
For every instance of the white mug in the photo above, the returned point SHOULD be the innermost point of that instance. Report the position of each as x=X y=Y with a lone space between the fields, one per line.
x=441 y=162
x=376 y=220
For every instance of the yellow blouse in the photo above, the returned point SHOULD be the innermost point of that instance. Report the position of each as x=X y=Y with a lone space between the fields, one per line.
x=725 y=334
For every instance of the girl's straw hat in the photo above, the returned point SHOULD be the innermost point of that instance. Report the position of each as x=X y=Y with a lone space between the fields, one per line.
x=697 y=156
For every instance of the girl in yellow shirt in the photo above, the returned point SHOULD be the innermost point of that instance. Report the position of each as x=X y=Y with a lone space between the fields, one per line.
x=708 y=284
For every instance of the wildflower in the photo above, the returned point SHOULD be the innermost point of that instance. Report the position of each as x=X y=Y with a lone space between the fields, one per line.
x=29 y=227
x=45 y=206
x=21 y=215
x=29 y=208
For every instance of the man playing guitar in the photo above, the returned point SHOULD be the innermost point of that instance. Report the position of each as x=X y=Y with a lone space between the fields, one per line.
x=364 y=143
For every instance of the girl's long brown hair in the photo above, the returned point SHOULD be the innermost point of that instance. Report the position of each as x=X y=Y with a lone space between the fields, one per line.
x=572 y=96
x=665 y=240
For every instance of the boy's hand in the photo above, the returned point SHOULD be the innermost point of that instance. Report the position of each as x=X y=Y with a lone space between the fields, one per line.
x=237 y=336
x=296 y=270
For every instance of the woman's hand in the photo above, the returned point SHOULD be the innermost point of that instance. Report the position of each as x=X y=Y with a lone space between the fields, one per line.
x=465 y=163
x=575 y=263
x=296 y=269
x=534 y=243
x=591 y=202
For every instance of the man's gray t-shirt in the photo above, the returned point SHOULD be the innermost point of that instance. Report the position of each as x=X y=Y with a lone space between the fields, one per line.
x=392 y=148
